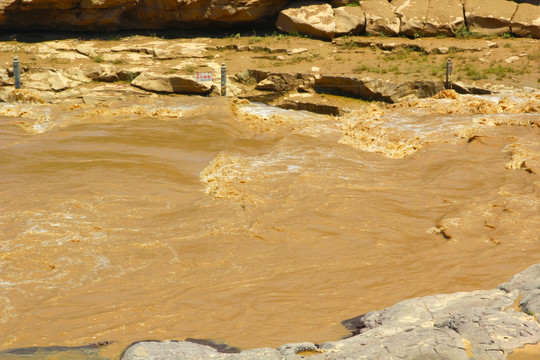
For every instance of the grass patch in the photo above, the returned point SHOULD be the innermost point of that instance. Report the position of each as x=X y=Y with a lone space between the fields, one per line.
x=119 y=61
x=98 y=59
x=188 y=69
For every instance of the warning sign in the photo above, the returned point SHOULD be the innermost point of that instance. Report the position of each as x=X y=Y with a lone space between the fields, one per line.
x=203 y=76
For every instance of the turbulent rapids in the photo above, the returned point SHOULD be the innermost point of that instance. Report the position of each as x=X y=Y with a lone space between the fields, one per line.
x=235 y=221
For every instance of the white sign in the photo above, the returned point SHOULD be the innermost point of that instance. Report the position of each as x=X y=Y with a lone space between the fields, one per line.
x=203 y=76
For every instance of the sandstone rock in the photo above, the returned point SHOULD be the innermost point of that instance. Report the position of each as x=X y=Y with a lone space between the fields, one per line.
x=489 y=16
x=378 y=89
x=279 y=82
x=526 y=21
x=380 y=18
x=444 y=17
x=350 y=20
x=315 y=19
x=172 y=84
x=48 y=80
x=103 y=15
x=4 y=78
x=412 y=15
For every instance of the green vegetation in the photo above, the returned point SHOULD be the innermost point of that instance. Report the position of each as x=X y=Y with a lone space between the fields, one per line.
x=353 y=3
x=119 y=61
x=98 y=59
x=188 y=69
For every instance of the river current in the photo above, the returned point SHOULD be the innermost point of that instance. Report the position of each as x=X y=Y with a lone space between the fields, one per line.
x=218 y=219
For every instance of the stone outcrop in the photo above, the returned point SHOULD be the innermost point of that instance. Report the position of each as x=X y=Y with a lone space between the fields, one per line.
x=380 y=18
x=377 y=89
x=350 y=20
x=172 y=84
x=315 y=19
x=489 y=16
x=132 y=14
x=526 y=21
x=412 y=15
x=444 y=17
x=324 y=19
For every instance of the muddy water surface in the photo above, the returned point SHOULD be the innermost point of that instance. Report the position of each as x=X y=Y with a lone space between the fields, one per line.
x=206 y=218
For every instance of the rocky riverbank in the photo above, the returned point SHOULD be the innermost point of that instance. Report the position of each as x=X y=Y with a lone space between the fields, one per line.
x=269 y=68
x=484 y=324
x=322 y=19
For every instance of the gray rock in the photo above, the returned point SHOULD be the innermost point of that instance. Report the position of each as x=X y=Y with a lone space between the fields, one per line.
x=294 y=348
x=528 y=279
x=180 y=350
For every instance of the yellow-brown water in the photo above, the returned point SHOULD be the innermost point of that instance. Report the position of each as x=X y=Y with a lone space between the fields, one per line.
x=206 y=218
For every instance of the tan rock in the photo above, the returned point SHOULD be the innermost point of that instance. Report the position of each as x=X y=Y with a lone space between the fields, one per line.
x=489 y=16
x=49 y=80
x=412 y=15
x=315 y=19
x=171 y=84
x=380 y=18
x=444 y=17
x=350 y=20
x=526 y=21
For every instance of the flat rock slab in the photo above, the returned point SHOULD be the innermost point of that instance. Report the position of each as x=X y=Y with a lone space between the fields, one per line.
x=171 y=84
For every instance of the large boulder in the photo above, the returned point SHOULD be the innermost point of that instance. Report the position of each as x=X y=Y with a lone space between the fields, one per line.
x=180 y=84
x=380 y=18
x=444 y=17
x=316 y=19
x=412 y=15
x=489 y=16
x=350 y=20
x=526 y=21
x=377 y=89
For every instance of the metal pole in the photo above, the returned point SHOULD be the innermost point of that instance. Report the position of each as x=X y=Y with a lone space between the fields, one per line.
x=17 y=73
x=223 y=80
x=449 y=73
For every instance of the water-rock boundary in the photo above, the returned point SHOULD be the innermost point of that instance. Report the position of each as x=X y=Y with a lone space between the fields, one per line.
x=483 y=324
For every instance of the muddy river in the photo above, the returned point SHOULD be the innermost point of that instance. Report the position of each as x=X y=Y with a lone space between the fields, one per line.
x=209 y=218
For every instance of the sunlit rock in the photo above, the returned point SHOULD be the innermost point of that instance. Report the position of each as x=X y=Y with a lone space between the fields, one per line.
x=315 y=19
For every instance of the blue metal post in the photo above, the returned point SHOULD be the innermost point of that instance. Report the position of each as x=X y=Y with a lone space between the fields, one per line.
x=17 y=73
